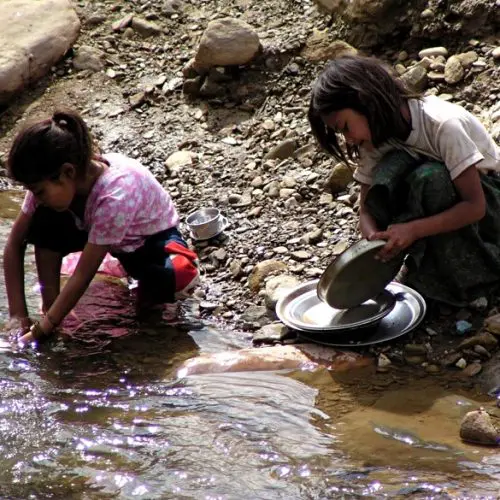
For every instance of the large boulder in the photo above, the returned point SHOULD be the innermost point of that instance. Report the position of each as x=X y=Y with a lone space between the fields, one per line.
x=227 y=42
x=34 y=35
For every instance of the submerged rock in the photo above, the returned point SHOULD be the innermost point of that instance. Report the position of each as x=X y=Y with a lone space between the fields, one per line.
x=300 y=356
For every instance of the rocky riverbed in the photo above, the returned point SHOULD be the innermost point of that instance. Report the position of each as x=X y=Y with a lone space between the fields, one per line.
x=226 y=127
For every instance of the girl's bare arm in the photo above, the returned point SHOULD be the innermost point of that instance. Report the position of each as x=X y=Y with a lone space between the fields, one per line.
x=367 y=224
x=13 y=267
x=87 y=267
x=470 y=209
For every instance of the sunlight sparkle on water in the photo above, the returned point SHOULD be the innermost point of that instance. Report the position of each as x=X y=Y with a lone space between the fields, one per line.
x=140 y=490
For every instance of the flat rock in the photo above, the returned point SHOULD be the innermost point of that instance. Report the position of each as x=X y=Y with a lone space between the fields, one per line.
x=33 y=37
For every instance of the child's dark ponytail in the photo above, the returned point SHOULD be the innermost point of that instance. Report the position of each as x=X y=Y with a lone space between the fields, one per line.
x=40 y=150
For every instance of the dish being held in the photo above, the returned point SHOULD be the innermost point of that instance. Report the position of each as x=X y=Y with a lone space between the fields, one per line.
x=356 y=276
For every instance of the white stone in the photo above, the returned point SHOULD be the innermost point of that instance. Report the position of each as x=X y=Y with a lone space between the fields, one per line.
x=34 y=35
x=179 y=159
x=433 y=52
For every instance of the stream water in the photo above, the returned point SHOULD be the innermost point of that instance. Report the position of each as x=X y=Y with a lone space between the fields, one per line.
x=76 y=423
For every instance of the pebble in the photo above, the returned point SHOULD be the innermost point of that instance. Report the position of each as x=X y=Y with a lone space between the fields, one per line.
x=461 y=363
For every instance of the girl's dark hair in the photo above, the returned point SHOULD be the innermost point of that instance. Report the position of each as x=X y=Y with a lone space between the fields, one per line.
x=366 y=86
x=40 y=150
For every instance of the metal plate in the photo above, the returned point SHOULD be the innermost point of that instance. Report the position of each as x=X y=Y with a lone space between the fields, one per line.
x=406 y=315
x=355 y=276
x=302 y=309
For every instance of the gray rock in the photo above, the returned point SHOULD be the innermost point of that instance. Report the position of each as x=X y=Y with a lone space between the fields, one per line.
x=88 y=58
x=477 y=427
x=340 y=177
x=145 y=28
x=416 y=78
x=273 y=332
x=283 y=150
x=453 y=71
x=227 y=42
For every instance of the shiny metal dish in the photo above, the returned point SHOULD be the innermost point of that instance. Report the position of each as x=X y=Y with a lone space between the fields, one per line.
x=302 y=309
x=355 y=276
x=205 y=223
x=223 y=226
x=407 y=314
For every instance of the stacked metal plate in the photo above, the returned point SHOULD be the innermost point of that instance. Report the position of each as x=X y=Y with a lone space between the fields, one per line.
x=372 y=322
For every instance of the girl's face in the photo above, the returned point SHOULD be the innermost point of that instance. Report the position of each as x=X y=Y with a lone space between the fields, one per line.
x=57 y=194
x=353 y=125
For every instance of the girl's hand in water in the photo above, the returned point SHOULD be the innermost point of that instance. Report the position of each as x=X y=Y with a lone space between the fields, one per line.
x=399 y=237
x=16 y=327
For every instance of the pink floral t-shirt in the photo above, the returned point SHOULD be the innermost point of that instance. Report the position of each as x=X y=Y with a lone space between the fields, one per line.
x=125 y=205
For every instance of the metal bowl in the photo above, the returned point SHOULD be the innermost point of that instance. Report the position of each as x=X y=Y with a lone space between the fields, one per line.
x=301 y=309
x=205 y=223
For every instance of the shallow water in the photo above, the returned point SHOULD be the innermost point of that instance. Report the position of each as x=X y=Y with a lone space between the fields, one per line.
x=76 y=423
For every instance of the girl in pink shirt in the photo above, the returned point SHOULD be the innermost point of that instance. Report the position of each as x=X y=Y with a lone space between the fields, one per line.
x=76 y=201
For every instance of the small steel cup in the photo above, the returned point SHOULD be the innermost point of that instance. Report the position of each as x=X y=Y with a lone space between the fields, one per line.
x=205 y=223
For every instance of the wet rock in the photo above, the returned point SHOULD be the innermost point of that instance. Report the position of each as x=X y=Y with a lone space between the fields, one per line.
x=273 y=332
x=461 y=363
x=415 y=360
x=339 y=179
x=227 y=42
x=255 y=315
x=416 y=349
x=302 y=356
x=277 y=287
x=472 y=369
x=432 y=369
x=33 y=37
x=262 y=270
x=477 y=428
x=484 y=339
